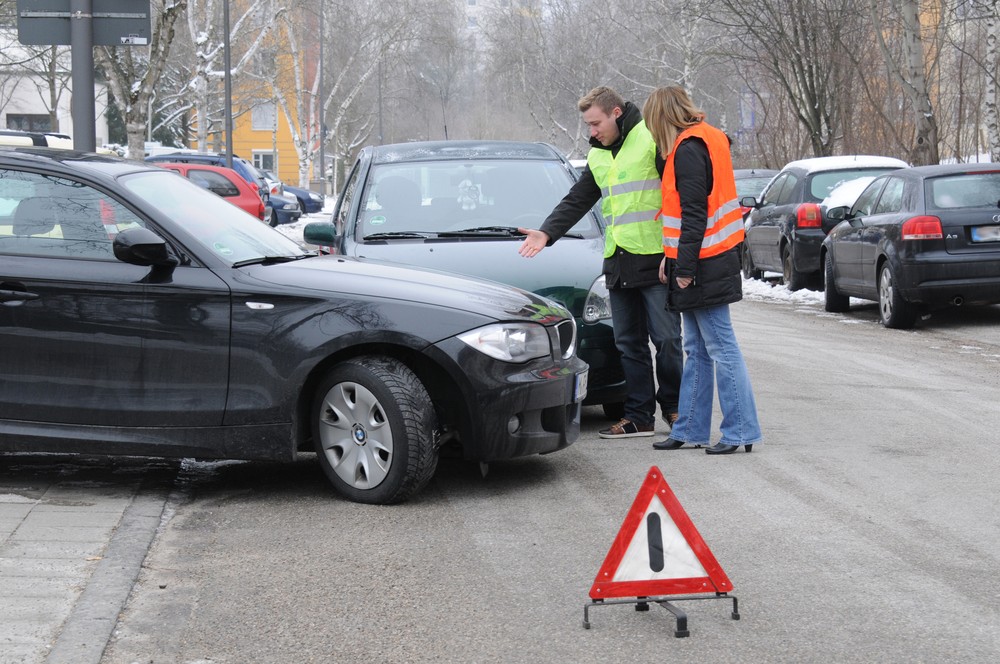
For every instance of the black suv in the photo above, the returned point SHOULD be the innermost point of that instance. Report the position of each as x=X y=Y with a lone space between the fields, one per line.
x=141 y=314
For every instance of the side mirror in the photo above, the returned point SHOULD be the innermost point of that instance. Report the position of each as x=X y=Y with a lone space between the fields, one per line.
x=837 y=214
x=141 y=246
x=749 y=202
x=321 y=233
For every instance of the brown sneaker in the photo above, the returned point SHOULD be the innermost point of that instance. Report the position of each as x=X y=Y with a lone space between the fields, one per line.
x=626 y=429
x=670 y=419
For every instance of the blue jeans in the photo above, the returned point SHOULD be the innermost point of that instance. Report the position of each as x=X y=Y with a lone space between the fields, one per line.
x=713 y=353
x=639 y=316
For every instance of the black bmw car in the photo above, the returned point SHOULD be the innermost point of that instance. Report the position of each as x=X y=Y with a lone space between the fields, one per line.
x=141 y=314
x=457 y=205
x=916 y=240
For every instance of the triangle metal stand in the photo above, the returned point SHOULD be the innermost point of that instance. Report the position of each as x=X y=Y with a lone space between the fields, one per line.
x=642 y=604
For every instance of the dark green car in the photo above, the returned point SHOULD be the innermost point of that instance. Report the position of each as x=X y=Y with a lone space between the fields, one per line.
x=456 y=206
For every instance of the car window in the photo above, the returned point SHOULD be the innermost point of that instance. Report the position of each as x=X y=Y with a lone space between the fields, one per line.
x=866 y=201
x=823 y=182
x=964 y=190
x=217 y=183
x=780 y=191
x=892 y=197
x=218 y=226
x=751 y=186
x=456 y=195
x=56 y=217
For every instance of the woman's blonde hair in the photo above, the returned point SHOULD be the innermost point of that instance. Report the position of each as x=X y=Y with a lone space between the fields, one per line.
x=667 y=112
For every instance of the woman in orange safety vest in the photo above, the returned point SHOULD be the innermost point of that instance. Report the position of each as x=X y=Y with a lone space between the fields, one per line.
x=702 y=230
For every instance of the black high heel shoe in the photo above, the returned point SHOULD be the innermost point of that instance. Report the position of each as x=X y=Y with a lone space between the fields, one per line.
x=719 y=448
x=669 y=444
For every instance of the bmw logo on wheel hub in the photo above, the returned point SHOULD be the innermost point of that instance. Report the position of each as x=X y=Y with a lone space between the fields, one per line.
x=360 y=435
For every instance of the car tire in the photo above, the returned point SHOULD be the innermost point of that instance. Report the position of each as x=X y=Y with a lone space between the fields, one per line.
x=375 y=430
x=749 y=270
x=302 y=205
x=894 y=311
x=792 y=278
x=274 y=219
x=834 y=300
x=614 y=410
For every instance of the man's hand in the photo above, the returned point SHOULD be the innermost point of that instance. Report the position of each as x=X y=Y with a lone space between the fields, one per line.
x=684 y=282
x=534 y=241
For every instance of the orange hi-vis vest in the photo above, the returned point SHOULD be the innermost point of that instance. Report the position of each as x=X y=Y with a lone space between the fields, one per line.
x=724 y=229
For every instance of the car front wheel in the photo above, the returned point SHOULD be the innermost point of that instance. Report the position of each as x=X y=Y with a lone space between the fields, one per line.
x=375 y=430
x=895 y=312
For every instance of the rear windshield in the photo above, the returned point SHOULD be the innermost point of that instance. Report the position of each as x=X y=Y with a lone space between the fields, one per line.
x=751 y=186
x=963 y=190
x=823 y=182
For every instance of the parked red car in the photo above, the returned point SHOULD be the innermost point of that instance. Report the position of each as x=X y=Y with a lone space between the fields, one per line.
x=225 y=182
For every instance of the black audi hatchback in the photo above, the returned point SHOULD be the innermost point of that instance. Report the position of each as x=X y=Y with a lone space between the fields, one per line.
x=143 y=315
x=916 y=240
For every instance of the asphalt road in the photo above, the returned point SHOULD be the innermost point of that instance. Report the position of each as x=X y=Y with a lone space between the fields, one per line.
x=863 y=529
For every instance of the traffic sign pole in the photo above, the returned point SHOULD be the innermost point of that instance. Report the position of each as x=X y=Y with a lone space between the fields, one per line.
x=81 y=36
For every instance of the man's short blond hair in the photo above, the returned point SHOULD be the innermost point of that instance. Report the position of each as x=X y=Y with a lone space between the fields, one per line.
x=603 y=98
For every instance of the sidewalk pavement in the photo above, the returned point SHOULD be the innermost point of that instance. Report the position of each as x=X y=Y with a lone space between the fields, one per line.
x=73 y=534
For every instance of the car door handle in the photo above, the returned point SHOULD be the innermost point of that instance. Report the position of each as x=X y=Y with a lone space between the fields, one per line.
x=16 y=296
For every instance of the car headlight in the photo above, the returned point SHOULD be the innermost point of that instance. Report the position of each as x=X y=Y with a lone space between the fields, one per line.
x=314 y=196
x=510 y=342
x=597 y=306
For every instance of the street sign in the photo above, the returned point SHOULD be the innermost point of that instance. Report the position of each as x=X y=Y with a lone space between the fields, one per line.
x=115 y=22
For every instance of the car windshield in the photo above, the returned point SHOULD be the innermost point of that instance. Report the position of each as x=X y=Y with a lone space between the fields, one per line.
x=823 y=182
x=751 y=186
x=964 y=190
x=220 y=227
x=455 y=196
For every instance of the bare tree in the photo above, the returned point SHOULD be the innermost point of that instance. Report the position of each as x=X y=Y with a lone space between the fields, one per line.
x=991 y=116
x=800 y=47
x=248 y=30
x=133 y=72
x=909 y=70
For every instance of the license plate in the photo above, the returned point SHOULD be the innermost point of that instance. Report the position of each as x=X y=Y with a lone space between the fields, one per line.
x=986 y=234
x=580 y=388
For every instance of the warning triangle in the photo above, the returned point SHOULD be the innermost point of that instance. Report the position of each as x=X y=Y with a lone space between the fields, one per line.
x=658 y=551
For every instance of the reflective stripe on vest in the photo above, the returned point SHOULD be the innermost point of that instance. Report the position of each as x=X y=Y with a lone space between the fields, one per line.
x=630 y=193
x=724 y=227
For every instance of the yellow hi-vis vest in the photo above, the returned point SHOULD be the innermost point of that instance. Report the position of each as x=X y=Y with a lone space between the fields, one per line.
x=630 y=193
x=725 y=218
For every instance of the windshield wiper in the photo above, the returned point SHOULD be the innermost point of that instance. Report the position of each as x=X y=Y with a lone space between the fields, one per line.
x=509 y=231
x=399 y=234
x=271 y=260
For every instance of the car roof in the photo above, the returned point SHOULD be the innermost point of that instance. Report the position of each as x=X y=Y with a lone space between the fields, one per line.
x=200 y=166
x=844 y=162
x=950 y=169
x=91 y=162
x=435 y=150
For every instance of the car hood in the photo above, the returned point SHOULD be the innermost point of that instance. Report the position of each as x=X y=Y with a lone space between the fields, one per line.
x=344 y=275
x=563 y=272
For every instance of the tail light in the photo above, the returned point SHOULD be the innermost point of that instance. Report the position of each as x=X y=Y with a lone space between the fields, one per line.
x=260 y=210
x=809 y=215
x=922 y=228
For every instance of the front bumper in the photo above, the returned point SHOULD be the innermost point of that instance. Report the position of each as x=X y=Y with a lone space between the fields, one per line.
x=514 y=410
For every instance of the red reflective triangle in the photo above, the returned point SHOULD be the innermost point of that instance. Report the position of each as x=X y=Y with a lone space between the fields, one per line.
x=658 y=551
